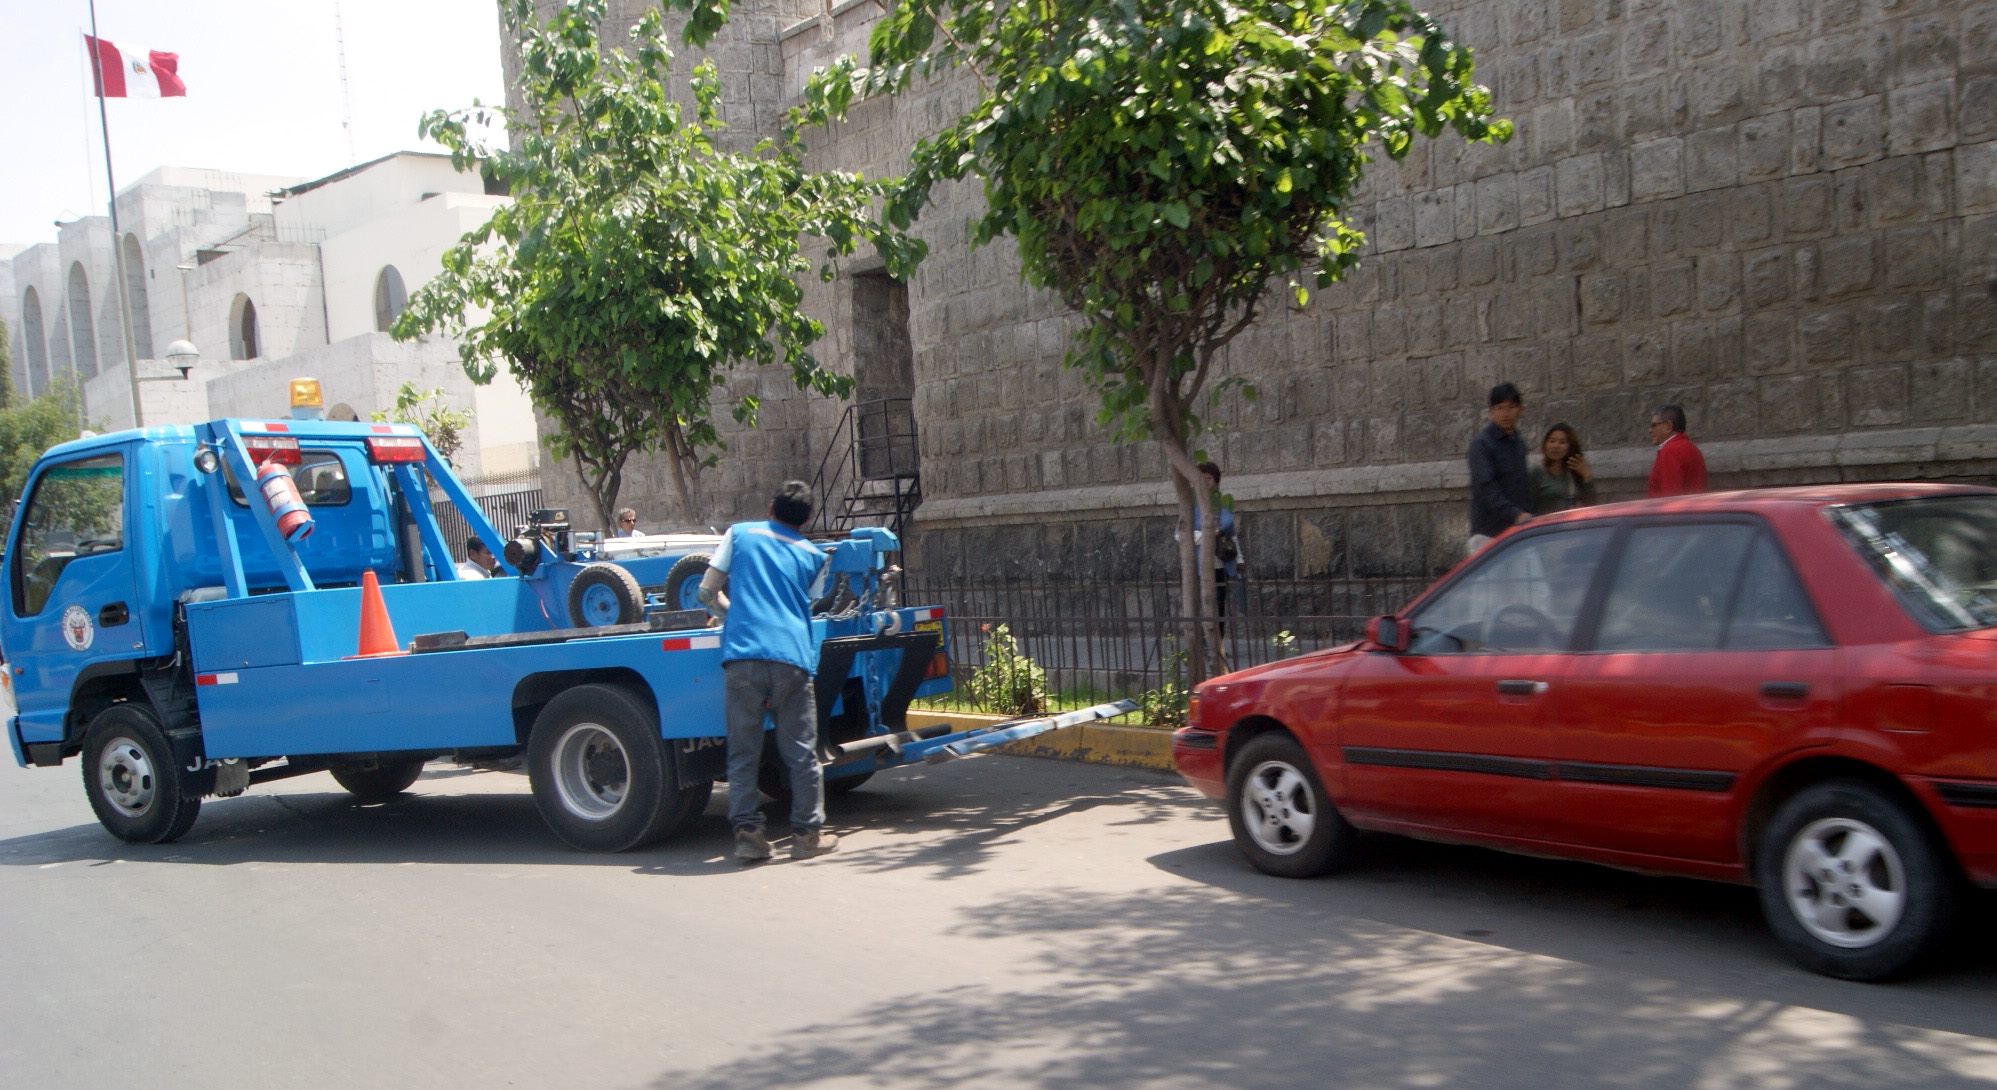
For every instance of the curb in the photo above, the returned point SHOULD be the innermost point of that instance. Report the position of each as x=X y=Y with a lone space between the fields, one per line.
x=1092 y=743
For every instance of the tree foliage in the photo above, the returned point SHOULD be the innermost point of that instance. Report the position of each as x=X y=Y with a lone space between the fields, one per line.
x=28 y=428
x=638 y=260
x=1159 y=164
x=428 y=410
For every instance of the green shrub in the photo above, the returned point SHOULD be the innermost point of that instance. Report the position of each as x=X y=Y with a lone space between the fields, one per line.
x=1165 y=706
x=1009 y=683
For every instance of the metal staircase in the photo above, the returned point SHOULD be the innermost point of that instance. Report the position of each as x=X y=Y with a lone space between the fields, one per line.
x=870 y=474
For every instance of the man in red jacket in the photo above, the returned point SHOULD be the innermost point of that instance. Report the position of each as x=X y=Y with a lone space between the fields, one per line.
x=1679 y=467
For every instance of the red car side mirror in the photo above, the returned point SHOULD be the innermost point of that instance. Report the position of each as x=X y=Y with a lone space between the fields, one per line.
x=1388 y=632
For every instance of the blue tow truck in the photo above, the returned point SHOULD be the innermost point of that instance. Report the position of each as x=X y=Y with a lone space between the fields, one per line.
x=197 y=609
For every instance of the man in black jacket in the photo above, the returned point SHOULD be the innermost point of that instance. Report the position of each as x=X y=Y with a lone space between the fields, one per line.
x=1500 y=495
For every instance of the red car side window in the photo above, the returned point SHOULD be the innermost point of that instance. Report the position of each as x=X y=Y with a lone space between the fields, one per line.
x=1523 y=597
x=1673 y=587
x=1771 y=610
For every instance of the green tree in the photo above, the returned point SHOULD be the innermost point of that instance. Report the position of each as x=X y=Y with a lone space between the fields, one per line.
x=637 y=260
x=1161 y=165
x=428 y=410
x=33 y=426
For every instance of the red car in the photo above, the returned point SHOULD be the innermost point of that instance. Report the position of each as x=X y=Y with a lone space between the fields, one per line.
x=1794 y=688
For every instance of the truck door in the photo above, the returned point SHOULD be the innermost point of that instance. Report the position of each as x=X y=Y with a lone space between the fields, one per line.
x=70 y=587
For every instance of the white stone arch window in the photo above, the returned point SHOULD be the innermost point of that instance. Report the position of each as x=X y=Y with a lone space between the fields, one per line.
x=136 y=295
x=36 y=340
x=243 y=333
x=81 y=337
x=390 y=298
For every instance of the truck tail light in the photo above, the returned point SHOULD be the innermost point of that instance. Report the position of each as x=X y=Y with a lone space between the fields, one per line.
x=939 y=666
x=387 y=449
x=282 y=449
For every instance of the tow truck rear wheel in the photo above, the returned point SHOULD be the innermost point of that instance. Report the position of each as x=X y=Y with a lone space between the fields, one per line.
x=605 y=594
x=602 y=778
x=381 y=778
x=136 y=787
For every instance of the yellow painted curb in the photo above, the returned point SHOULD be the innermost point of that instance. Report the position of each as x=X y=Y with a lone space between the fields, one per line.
x=1107 y=743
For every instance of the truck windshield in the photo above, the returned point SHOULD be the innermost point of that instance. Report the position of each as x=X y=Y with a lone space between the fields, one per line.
x=1939 y=554
x=322 y=480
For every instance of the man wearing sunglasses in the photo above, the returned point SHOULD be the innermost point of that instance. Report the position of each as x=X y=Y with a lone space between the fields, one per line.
x=627 y=523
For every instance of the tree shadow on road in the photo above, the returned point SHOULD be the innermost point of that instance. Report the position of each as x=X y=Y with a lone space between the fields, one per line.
x=1424 y=966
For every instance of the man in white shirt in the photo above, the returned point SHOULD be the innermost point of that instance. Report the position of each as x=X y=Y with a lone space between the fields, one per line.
x=479 y=563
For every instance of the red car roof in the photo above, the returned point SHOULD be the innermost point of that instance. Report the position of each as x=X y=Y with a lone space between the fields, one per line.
x=1811 y=495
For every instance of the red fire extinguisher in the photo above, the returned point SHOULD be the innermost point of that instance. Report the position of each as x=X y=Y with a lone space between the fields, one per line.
x=280 y=492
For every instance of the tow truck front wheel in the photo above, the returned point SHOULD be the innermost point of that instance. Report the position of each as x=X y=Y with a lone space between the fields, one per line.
x=136 y=787
x=602 y=779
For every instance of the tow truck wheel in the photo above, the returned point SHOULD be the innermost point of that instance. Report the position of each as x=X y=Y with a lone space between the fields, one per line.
x=683 y=581
x=604 y=594
x=134 y=784
x=602 y=779
x=382 y=778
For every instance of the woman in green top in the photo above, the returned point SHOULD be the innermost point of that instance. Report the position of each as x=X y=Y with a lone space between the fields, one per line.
x=1561 y=478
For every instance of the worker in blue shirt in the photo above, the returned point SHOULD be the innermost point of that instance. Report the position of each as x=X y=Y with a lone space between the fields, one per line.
x=761 y=584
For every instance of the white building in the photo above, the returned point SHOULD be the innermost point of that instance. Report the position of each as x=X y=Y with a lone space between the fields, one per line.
x=271 y=278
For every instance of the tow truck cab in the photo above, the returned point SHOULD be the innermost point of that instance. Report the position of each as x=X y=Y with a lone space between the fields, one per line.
x=116 y=536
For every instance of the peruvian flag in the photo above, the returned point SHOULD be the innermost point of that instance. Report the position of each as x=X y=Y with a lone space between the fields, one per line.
x=133 y=73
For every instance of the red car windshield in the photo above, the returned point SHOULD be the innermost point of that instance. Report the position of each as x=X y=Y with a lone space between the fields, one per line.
x=1939 y=554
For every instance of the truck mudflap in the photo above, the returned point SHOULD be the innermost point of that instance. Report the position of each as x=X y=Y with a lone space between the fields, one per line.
x=940 y=743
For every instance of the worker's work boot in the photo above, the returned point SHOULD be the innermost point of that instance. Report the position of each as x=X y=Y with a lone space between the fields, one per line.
x=751 y=846
x=816 y=842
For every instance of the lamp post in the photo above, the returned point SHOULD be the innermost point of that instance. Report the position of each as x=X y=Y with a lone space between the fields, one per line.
x=181 y=354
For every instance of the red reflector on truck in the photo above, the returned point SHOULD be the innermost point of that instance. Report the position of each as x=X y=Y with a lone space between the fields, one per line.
x=689 y=643
x=215 y=679
x=395 y=449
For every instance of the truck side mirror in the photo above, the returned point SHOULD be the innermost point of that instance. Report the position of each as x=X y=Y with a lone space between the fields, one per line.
x=1388 y=632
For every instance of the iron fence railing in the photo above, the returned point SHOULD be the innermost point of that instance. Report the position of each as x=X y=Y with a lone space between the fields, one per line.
x=507 y=511
x=1110 y=640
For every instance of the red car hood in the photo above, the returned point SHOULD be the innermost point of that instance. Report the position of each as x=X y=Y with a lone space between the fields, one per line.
x=1314 y=661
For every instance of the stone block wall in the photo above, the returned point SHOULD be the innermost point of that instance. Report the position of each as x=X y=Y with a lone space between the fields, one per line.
x=1781 y=215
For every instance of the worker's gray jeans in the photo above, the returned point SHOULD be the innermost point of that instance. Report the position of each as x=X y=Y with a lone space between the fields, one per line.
x=752 y=688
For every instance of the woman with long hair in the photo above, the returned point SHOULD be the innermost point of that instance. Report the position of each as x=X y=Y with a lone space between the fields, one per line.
x=1560 y=477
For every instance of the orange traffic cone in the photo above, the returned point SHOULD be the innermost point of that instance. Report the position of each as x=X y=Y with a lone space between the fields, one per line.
x=377 y=634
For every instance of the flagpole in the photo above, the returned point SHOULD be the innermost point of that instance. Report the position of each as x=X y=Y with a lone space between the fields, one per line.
x=117 y=239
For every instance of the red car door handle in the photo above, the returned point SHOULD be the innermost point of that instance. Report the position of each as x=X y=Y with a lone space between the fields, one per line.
x=1521 y=688
x=1785 y=690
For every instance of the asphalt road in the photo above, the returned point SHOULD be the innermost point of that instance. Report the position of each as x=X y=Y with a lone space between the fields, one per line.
x=998 y=922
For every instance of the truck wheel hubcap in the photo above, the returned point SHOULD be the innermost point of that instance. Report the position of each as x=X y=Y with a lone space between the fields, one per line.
x=591 y=771
x=126 y=775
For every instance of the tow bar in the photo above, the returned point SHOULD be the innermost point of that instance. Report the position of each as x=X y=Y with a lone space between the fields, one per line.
x=939 y=743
